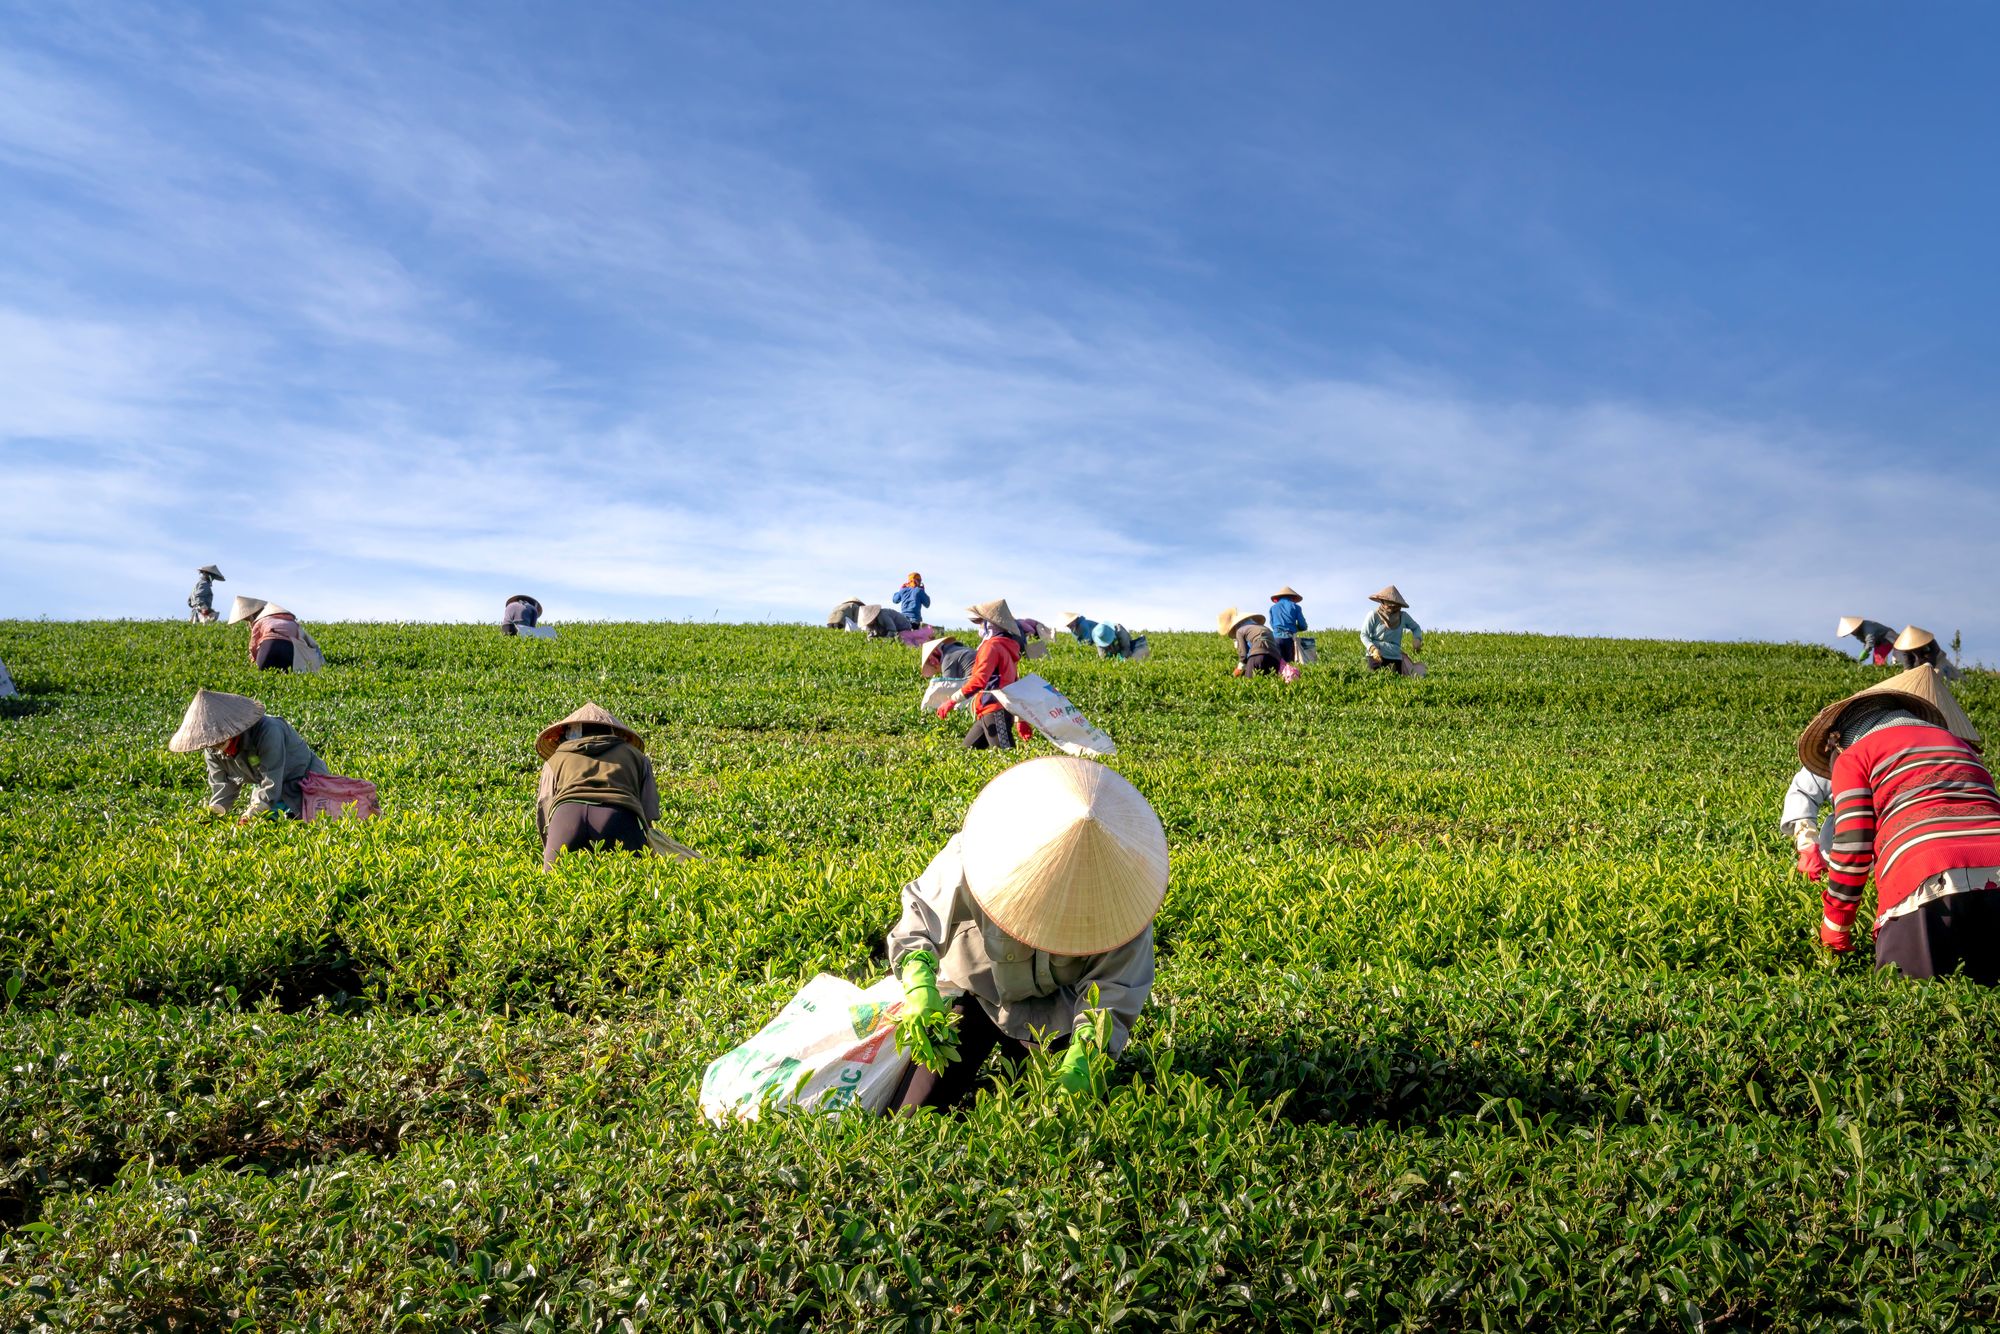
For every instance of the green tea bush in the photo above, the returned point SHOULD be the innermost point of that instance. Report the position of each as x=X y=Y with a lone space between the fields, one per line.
x=1485 y=1001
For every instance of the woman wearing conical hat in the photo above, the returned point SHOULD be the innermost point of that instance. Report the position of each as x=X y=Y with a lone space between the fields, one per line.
x=1047 y=894
x=520 y=612
x=1110 y=639
x=995 y=666
x=1288 y=622
x=880 y=622
x=277 y=641
x=1382 y=636
x=846 y=615
x=1256 y=647
x=597 y=788
x=1914 y=806
x=1918 y=647
x=945 y=658
x=1875 y=637
x=245 y=747
x=201 y=602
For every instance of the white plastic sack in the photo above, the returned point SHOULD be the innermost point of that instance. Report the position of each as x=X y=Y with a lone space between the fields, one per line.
x=535 y=631
x=941 y=690
x=832 y=1046
x=1308 y=649
x=1043 y=707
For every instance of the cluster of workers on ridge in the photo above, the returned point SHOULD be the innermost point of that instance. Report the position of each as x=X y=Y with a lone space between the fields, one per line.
x=1045 y=898
x=1914 y=647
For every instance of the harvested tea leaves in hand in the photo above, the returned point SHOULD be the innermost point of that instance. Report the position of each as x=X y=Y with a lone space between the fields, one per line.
x=929 y=1037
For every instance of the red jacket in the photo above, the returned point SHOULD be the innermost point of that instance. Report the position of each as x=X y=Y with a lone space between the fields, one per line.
x=996 y=665
x=1909 y=801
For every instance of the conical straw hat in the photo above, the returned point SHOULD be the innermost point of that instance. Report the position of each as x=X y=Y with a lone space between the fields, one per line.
x=211 y=572
x=1071 y=617
x=1914 y=637
x=1226 y=623
x=997 y=613
x=273 y=609
x=869 y=615
x=1065 y=856
x=1288 y=592
x=245 y=609
x=212 y=718
x=552 y=735
x=1922 y=690
x=1846 y=626
x=1390 y=594
x=927 y=661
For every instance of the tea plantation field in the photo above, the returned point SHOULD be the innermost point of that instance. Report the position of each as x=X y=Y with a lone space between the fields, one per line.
x=1485 y=1001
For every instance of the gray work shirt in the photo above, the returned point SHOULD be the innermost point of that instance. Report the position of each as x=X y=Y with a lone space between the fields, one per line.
x=203 y=597
x=1378 y=635
x=1023 y=990
x=273 y=760
x=1804 y=799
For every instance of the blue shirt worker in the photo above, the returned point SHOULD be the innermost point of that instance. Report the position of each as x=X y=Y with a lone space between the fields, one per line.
x=1382 y=637
x=1287 y=621
x=912 y=598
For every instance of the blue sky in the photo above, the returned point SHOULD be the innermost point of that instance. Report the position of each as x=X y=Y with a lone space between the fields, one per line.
x=1655 y=320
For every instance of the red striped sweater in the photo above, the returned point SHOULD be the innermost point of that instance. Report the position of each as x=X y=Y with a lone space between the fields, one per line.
x=1909 y=801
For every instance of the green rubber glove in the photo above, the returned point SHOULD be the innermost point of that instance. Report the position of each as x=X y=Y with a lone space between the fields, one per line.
x=920 y=988
x=1078 y=1072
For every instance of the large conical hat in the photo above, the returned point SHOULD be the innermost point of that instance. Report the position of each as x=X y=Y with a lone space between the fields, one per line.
x=1391 y=595
x=245 y=609
x=997 y=613
x=523 y=597
x=1914 y=637
x=273 y=609
x=1288 y=592
x=552 y=735
x=927 y=660
x=1071 y=617
x=211 y=572
x=212 y=718
x=1846 y=626
x=1065 y=856
x=1921 y=689
x=869 y=615
x=1226 y=623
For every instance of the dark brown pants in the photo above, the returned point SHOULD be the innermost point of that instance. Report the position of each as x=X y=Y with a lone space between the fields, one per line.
x=274 y=655
x=1957 y=933
x=1261 y=664
x=583 y=827
x=977 y=1037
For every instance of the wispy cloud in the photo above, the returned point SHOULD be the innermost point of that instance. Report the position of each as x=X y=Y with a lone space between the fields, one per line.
x=394 y=328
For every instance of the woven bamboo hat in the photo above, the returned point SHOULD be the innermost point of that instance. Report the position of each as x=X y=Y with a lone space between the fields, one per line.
x=1065 y=856
x=1914 y=637
x=552 y=735
x=1226 y=623
x=211 y=572
x=927 y=663
x=1071 y=617
x=212 y=718
x=1391 y=595
x=245 y=609
x=1846 y=626
x=996 y=612
x=1921 y=690
x=869 y=615
x=1288 y=592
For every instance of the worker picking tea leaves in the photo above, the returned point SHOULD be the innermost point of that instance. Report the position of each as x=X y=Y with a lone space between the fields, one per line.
x=1382 y=636
x=246 y=747
x=1037 y=919
x=1875 y=637
x=597 y=790
x=995 y=665
x=201 y=602
x=1256 y=646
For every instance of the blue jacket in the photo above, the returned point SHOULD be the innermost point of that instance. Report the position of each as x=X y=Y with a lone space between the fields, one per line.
x=1287 y=620
x=1081 y=628
x=911 y=602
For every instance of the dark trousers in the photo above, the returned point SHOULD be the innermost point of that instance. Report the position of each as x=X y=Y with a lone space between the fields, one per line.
x=1288 y=649
x=977 y=1037
x=1957 y=933
x=1385 y=664
x=274 y=655
x=995 y=731
x=1261 y=664
x=581 y=826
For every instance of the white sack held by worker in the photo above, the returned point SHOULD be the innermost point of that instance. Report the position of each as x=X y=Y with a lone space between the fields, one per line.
x=1039 y=704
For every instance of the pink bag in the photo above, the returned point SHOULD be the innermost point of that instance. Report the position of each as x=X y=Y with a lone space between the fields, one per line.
x=333 y=796
x=1289 y=671
x=918 y=637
